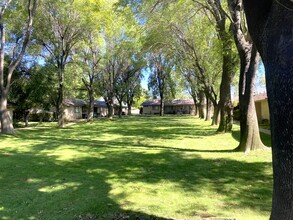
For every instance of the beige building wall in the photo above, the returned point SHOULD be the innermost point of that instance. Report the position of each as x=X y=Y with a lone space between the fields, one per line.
x=156 y=109
x=265 y=109
x=103 y=112
x=151 y=110
x=262 y=110
x=72 y=113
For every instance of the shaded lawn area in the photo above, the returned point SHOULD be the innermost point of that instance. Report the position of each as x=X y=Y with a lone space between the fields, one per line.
x=147 y=167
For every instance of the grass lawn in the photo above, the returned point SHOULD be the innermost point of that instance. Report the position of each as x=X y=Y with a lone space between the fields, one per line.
x=169 y=168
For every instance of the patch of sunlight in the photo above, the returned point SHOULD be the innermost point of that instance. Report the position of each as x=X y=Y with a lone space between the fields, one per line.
x=2 y=208
x=33 y=180
x=59 y=187
x=95 y=171
x=66 y=154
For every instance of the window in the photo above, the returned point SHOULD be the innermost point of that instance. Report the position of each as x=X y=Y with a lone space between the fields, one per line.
x=76 y=110
x=155 y=107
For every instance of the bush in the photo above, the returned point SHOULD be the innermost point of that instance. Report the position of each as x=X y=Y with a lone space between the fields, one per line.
x=236 y=114
x=45 y=117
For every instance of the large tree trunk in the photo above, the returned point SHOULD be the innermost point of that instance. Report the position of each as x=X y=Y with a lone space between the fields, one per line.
x=162 y=106
x=110 y=107
x=6 y=121
x=194 y=97
x=129 y=109
x=91 y=105
x=208 y=109
x=120 y=109
x=202 y=103
x=26 y=114
x=249 y=57
x=216 y=115
x=60 y=109
x=249 y=130
x=270 y=25
x=225 y=103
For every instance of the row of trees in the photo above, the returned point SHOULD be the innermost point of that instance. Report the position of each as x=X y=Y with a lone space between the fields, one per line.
x=270 y=34
x=203 y=45
x=105 y=45
x=91 y=46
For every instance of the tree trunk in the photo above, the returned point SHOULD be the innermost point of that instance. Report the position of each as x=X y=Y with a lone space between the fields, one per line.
x=249 y=57
x=110 y=110
x=202 y=102
x=270 y=26
x=249 y=130
x=225 y=103
x=208 y=110
x=216 y=115
x=60 y=109
x=196 y=110
x=120 y=109
x=194 y=97
x=6 y=120
x=91 y=105
x=129 y=109
x=162 y=106
x=26 y=114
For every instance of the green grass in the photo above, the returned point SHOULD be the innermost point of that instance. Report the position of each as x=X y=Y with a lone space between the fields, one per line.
x=172 y=167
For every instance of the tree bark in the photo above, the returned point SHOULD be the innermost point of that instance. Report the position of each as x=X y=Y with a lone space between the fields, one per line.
x=91 y=105
x=270 y=26
x=202 y=103
x=60 y=109
x=6 y=121
x=26 y=114
x=194 y=97
x=208 y=109
x=162 y=105
x=225 y=103
x=109 y=103
x=249 y=130
x=216 y=115
x=120 y=109
x=129 y=109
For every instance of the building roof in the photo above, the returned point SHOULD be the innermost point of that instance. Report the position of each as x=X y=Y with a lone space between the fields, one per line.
x=260 y=97
x=151 y=102
x=100 y=104
x=82 y=103
x=175 y=102
x=74 y=102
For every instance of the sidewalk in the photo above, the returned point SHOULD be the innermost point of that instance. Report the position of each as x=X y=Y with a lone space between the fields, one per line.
x=262 y=130
x=266 y=131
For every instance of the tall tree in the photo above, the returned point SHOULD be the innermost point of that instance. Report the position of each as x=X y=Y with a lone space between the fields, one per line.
x=223 y=27
x=20 y=40
x=270 y=25
x=91 y=58
x=161 y=68
x=59 y=30
x=249 y=130
x=134 y=90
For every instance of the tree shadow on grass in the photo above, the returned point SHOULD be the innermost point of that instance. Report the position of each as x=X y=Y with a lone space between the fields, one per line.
x=39 y=186
x=98 y=178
